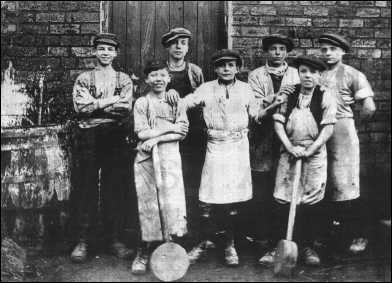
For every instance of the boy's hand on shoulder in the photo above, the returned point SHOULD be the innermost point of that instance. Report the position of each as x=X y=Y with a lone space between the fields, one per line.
x=180 y=128
x=172 y=96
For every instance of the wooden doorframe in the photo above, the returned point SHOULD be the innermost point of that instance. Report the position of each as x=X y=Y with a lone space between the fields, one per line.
x=106 y=21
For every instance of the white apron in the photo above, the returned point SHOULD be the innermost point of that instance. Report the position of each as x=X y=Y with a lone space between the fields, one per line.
x=300 y=125
x=226 y=175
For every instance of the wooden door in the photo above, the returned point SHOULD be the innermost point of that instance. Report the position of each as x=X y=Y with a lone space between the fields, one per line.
x=140 y=25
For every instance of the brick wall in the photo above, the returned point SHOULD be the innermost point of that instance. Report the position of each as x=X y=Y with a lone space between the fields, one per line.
x=57 y=34
x=52 y=37
x=367 y=24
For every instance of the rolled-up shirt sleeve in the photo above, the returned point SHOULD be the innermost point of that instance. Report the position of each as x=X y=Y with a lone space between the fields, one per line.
x=361 y=86
x=280 y=114
x=329 y=107
x=83 y=101
x=197 y=98
x=140 y=115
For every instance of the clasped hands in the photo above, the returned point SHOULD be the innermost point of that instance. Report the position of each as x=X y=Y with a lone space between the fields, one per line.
x=298 y=151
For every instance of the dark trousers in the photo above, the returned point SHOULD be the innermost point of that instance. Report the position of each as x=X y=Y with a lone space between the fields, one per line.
x=308 y=223
x=101 y=180
x=346 y=220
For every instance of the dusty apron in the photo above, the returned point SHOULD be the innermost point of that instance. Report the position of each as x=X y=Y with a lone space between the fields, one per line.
x=302 y=130
x=344 y=158
x=171 y=195
x=226 y=175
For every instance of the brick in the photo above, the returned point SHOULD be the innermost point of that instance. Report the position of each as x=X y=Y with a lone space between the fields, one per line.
x=287 y=3
x=34 y=28
x=58 y=51
x=383 y=33
x=246 y=42
x=65 y=6
x=283 y=30
x=361 y=3
x=325 y=22
x=69 y=63
x=368 y=12
x=386 y=12
x=378 y=137
x=26 y=17
x=82 y=51
x=291 y=11
x=298 y=21
x=351 y=23
x=50 y=17
x=316 y=11
x=65 y=29
x=75 y=40
x=364 y=43
x=8 y=28
x=381 y=3
x=272 y=20
x=89 y=28
x=240 y=10
x=84 y=17
x=341 y=12
x=376 y=23
x=91 y=5
x=263 y=10
x=383 y=43
x=251 y=31
x=386 y=54
x=246 y=20
x=34 y=5
x=325 y=3
x=313 y=51
x=369 y=53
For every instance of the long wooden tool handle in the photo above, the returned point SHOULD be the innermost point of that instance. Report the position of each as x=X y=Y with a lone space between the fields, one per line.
x=158 y=179
x=293 y=204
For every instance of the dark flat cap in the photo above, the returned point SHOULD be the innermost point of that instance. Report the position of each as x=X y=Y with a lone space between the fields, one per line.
x=106 y=38
x=310 y=61
x=336 y=40
x=174 y=34
x=154 y=65
x=277 y=38
x=226 y=55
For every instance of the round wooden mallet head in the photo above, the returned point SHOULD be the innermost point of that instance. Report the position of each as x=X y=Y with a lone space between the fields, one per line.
x=169 y=262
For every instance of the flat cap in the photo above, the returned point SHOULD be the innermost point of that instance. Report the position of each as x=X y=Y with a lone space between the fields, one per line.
x=336 y=40
x=277 y=38
x=106 y=38
x=226 y=55
x=154 y=65
x=310 y=61
x=174 y=34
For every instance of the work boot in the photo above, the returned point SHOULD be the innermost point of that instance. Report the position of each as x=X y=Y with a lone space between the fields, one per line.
x=311 y=257
x=79 y=253
x=198 y=252
x=268 y=257
x=231 y=257
x=120 y=250
x=139 y=264
x=358 y=245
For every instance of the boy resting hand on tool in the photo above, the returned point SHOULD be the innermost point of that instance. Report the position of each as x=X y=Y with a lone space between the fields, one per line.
x=157 y=123
x=304 y=124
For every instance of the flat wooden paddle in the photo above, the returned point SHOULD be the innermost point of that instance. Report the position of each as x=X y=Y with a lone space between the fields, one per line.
x=286 y=254
x=169 y=262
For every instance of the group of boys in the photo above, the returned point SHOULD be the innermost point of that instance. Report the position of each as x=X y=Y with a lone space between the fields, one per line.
x=301 y=112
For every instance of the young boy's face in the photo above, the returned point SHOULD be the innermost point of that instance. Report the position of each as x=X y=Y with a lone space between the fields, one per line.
x=178 y=48
x=158 y=80
x=277 y=54
x=105 y=54
x=308 y=76
x=331 y=54
x=226 y=70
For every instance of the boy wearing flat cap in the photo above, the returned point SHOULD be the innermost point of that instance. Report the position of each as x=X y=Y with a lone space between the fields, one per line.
x=102 y=100
x=226 y=182
x=270 y=84
x=303 y=124
x=185 y=78
x=350 y=86
x=158 y=124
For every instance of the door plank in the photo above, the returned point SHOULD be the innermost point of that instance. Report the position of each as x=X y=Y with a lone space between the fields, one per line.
x=162 y=24
x=133 y=43
x=176 y=14
x=147 y=31
x=119 y=28
x=190 y=23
